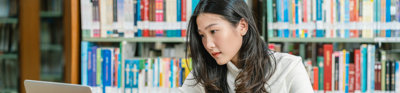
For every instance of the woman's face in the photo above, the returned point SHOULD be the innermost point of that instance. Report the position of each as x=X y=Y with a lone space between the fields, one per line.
x=220 y=38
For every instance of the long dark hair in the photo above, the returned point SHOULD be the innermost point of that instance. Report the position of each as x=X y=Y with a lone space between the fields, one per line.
x=255 y=59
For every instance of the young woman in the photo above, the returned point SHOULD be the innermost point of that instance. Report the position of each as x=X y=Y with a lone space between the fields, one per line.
x=229 y=56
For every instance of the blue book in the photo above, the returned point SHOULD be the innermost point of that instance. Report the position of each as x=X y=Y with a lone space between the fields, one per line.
x=106 y=55
x=138 y=18
x=347 y=17
x=388 y=17
x=84 y=62
x=135 y=72
x=319 y=32
x=285 y=17
x=297 y=17
x=364 y=68
x=94 y=66
x=279 y=14
x=194 y=4
x=171 y=68
x=120 y=70
x=128 y=75
x=371 y=61
x=347 y=72
x=179 y=17
x=181 y=71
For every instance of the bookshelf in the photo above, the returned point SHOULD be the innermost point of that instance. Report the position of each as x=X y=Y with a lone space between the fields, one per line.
x=25 y=23
x=8 y=20
x=328 y=31
x=139 y=39
x=337 y=40
x=9 y=56
x=51 y=14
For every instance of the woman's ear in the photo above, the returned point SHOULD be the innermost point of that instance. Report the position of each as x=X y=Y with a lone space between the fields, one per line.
x=242 y=27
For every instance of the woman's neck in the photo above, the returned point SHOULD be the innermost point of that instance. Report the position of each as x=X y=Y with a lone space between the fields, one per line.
x=235 y=61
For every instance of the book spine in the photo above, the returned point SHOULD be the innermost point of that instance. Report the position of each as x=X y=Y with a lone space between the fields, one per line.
x=178 y=17
x=320 y=60
x=84 y=62
x=351 y=78
x=392 y=87
x=328 y=49
x=184 y=17
x=371 y=61
x=347 y=62
x=269 y=16
x=388 y=16
x=397 y=77
x=285 y=8
x=363 y=68
x=159 y=5
x=145 y=16
x=315 y=69
x=357 y=62
x=319 y=32
x=383 y=66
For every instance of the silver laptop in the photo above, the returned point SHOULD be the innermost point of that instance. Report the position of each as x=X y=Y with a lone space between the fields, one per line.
x=33 y=86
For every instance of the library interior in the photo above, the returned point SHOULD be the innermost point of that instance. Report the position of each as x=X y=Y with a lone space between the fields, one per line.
x=140 y=46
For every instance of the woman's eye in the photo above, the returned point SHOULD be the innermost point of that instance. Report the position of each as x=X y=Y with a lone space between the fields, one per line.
x=212 y=31
x=202 y=36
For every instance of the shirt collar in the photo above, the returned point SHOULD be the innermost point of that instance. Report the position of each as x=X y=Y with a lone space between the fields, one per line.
x=233 y=69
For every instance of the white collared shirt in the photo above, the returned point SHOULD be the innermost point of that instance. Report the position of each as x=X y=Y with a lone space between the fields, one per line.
x=290 y=77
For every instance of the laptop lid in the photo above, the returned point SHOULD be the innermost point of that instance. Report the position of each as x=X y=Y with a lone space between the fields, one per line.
x=33 y=86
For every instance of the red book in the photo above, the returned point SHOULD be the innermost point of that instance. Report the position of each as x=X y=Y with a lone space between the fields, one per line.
x=145 y=16
x=315 y=69
x=357 y=63
x=378 y=76
x=183 y=15
x=354 y=17
x=351 y=78
x=328 y=50
x=305 y=14
x=116 y=53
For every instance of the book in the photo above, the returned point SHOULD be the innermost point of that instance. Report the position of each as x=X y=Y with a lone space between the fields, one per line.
x=328 y=50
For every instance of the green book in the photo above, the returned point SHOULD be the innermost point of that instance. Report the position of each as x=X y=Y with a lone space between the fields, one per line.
x=98 y=66
x=320 y=60
x=383 y=71
x=269 y=17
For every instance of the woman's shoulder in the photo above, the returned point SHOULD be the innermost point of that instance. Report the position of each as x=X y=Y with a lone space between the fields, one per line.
x=285 y=63
x=285 y=58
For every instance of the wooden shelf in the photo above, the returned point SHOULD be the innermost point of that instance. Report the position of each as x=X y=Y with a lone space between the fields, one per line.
x=50 y=14
x=9 y=20
x=8 y=56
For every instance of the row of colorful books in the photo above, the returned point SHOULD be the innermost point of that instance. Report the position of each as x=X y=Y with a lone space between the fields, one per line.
x=360 y=70
x=335 y=34
x=135 y=18
x=322 y=12
x=106 y=71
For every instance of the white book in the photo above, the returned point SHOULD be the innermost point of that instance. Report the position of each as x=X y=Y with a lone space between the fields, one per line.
x=370 y=67
x=129 y=18
x=171 y=12
x=367 y=17
x=106 y=17
x=86 y=17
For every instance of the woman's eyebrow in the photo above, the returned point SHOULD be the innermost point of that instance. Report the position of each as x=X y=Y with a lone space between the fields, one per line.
x=210 y=25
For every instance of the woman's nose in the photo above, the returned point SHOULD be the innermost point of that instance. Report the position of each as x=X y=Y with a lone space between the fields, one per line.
x=209 y=43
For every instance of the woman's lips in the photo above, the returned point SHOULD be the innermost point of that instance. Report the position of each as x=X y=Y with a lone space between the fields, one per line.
x=216 y=54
